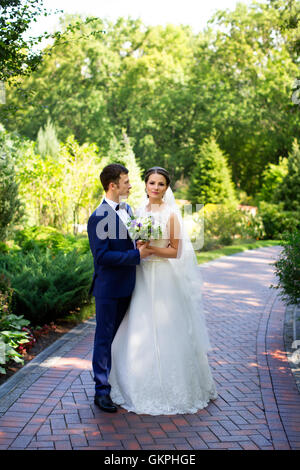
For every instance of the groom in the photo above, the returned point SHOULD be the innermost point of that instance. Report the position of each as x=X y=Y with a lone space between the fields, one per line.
x=115 y=259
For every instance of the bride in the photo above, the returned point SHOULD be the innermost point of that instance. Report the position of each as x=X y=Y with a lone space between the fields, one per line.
x=159 y=354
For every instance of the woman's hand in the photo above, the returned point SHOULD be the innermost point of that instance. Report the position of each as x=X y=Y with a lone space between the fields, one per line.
x=140 y=243
x=146 y=244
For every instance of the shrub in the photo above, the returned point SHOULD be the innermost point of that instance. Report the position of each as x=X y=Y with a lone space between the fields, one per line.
x=50 y=238
x=47 y=285
x=277 y=221
x=13 y=332
x=252 y=226
x=222 y=224
x=4 y=247
x=287 y=268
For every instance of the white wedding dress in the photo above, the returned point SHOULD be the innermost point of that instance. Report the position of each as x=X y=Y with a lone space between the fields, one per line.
x=159 y=354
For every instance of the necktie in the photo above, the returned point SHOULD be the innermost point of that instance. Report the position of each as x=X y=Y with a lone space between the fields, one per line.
x=122 y=205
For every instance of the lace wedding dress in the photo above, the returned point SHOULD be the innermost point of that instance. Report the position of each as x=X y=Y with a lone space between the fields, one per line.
x=159 y=354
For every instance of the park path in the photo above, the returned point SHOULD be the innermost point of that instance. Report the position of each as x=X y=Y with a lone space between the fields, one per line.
x=49 y=405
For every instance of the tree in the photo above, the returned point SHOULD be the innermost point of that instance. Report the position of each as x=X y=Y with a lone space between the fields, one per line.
x=121 y=152
x=17 y=57
x=47 y=142
x=81 y=75
x=273 y=177
x=289 y=192
x=211 y=177
x=288 y=21
x=60 y=191
x=169 y=88
x=11 y=210
x=242 y=82
x=82 y=166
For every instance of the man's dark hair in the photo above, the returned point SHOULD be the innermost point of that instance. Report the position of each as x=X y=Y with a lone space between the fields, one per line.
x=111 y=174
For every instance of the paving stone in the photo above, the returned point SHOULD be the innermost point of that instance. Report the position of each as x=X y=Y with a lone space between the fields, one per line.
x=48 y=404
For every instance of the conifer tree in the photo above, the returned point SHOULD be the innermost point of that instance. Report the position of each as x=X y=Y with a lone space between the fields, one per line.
x=47 y=142
x=122 y=152
x=11 y=210
x=211 y=177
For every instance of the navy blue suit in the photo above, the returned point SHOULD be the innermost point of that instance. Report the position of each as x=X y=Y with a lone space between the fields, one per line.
x=115 y=260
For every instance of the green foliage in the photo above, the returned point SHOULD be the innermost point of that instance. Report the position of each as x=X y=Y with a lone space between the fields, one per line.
x=289 y=191
x=47 y=285
x=276 y=220
x=273 y=177
x=211 y=178
x=6 y=293
x=47 y=142
x=10 y=206
x=222 y=224
x=11 y=340
x=289 y=13
x=11 y=321
x=225 y=223
x=252 y=226
x=4 y=247
x=48 y=237
x=16 y=56
x=12 y=333
x=169 y=88
x=121 y=152
x=287 y=268
x=181 y=188
x=20 y=56
x=60 y=191
x=235 y=68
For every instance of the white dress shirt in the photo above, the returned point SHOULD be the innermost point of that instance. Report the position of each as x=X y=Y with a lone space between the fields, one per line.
x=122 y=213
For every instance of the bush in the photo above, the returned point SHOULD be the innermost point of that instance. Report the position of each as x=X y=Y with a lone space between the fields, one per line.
x=4 y=247
x=223 y=223
x=50 y=238
x=287 y=268
x=13 y=332
x=253 y=226
x=47 y=285
x=277 y=221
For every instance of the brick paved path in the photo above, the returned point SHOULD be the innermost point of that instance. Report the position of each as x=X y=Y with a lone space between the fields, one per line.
x=258 y=405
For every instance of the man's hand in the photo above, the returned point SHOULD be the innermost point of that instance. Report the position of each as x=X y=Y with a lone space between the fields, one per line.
x=144 y=249
x=140 y=243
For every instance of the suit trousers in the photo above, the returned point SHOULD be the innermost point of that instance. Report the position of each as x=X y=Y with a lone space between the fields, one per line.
x=109 y=315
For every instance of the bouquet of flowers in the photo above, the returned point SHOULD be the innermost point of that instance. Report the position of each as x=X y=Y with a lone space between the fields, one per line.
x=144 y=228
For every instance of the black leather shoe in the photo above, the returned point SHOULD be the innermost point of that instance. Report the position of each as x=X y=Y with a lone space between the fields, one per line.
x=105 y=403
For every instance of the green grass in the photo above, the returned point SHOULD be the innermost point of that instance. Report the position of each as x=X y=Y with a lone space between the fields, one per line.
x=237 y=247
x=79 y=315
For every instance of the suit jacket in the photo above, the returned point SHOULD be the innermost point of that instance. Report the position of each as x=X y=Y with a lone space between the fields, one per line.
x=115 y=257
